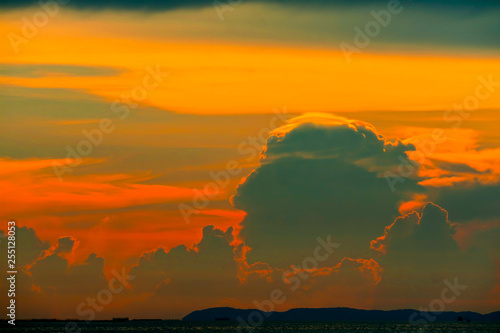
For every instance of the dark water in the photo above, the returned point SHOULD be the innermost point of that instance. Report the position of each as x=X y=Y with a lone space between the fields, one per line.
x=179 y=326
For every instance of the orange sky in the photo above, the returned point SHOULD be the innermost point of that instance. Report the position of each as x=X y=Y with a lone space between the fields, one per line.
x=221 y=74
x=218 y=97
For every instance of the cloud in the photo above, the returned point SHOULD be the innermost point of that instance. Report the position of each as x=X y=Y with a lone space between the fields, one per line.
x=432 y=230
x=12 y=166
x=419 y=252
x=462 y=163
x=201 y=275
x=54 y=275
x=457 y=167
x=45 y=70
x=213 y=273
x=468 y=201
x=486 y=236
x=29 y=248
x=64 y=245
x=152 y=5
x=320 y=175
x=30 y=178
x=47 y=286
x=181 y=270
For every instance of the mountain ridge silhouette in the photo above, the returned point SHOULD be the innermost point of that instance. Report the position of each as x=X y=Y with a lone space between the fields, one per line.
x=340 y=314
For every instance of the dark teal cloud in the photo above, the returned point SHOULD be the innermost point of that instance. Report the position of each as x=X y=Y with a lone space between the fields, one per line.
x=420 y=252
x=174 y=4
x=461 y=24
x=43 y=70
x=470 y=201
x=320 y=180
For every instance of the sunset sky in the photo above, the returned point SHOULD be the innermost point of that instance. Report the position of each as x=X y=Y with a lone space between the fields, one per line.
x=204 y=147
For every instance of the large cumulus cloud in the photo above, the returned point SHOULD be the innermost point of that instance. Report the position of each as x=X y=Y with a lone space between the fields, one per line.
x=321 y=175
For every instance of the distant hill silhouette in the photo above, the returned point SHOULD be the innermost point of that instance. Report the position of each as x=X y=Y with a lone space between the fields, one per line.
x=337 y=314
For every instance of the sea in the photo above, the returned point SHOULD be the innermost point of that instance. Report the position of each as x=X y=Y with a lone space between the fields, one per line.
x=230 y=326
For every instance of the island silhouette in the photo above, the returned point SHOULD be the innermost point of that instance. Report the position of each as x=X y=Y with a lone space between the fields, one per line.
x=340 y=315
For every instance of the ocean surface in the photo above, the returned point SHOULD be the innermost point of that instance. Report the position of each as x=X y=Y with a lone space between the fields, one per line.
x=276 y=327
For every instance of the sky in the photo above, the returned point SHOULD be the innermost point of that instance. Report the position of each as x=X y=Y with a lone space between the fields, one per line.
x=206 y=153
